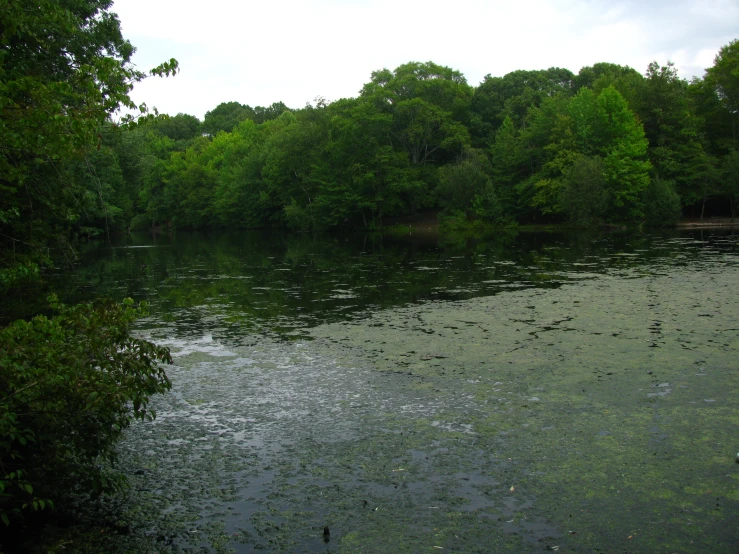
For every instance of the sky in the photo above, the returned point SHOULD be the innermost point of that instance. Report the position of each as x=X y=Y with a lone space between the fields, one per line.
x=257 y=53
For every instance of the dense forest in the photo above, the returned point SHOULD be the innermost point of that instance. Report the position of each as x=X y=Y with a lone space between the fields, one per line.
x=608 y=145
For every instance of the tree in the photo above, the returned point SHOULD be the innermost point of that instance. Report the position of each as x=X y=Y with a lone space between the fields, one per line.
x=462 y=183
x=293 y=154
x=225 y=116
x=429 y=105
x=592 y=125
x=509 y=168
x=64 y=69
x=662 y=205
x=512 y=96
x=716 y=102
x=190 y=181
x=239 y=183
x=723 y=77
x=622 y=141
x=673 y=131
x=730 y=180
x=69 y=386
x=369 y=178
x=180 y=128
x=626 y=80
x=273 y=111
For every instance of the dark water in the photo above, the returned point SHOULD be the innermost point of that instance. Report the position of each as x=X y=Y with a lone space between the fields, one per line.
x=283 y=284
x=525 y=393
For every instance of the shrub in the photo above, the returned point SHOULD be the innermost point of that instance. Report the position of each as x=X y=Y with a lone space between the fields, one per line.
x=69 y=385
x=584 y=196
x=298 y=218
x=663 y=206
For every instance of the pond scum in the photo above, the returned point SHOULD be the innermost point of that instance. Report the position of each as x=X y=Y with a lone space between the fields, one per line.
x=600 y=416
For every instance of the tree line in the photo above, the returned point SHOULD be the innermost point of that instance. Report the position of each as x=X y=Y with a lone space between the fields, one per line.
x=607 y=145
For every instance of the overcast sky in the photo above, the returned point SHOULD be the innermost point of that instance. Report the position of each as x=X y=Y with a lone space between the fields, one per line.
x=294 y=51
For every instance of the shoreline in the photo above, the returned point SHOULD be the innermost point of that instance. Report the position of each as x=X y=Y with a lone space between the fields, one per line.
x=424 y=224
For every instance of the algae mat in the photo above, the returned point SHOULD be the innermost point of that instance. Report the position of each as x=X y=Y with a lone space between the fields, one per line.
x=612 y=401
x=600 y=416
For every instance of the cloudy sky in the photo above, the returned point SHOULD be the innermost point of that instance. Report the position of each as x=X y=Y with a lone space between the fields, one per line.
x=294 y=51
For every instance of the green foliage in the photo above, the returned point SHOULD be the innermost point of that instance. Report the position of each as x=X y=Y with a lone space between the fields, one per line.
x=626 y=80
x=180 y=128
x=662 y=203
x=512 y=96
x=64 y=69
x=466 y=188
x=227 y=116
x=429 y=104
x=18 y=273
x=625 y=147
x=299 y=218
x=403 y=146
x=69 y=385
x=591 y=125
x=675 y=144
x=585 y=195
x=723 y=78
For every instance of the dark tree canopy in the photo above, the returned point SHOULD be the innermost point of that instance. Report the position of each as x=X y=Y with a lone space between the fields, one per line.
x=227 y=115
x=179 y=127
x=512 y=95
x=64 y=69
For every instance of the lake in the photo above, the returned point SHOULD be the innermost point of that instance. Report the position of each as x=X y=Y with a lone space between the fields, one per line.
x=530 y=392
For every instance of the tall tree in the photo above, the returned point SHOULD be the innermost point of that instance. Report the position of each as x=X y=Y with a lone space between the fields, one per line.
x=600 y=126
x=723 y=78
x=181 y=127
x=673 y=131
x=64 y=69
x=429 y=105
x=512 y=96
x=626 y=80
x=225 y=116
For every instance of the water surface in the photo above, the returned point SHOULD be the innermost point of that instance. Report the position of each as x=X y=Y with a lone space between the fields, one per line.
x=529 y=393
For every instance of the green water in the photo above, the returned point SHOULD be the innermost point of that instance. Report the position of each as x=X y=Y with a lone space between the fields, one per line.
x=530 y=393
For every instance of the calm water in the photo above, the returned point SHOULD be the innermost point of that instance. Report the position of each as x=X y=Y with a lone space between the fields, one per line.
x=528 y=393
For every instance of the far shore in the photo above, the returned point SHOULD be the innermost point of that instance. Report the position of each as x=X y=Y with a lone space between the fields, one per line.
x=708 y=222
x=427 y=223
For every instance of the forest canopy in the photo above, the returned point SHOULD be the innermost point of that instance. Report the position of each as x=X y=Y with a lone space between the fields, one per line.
x=608 y=145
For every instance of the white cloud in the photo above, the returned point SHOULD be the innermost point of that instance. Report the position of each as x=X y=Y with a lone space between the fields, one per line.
x=294 y=51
